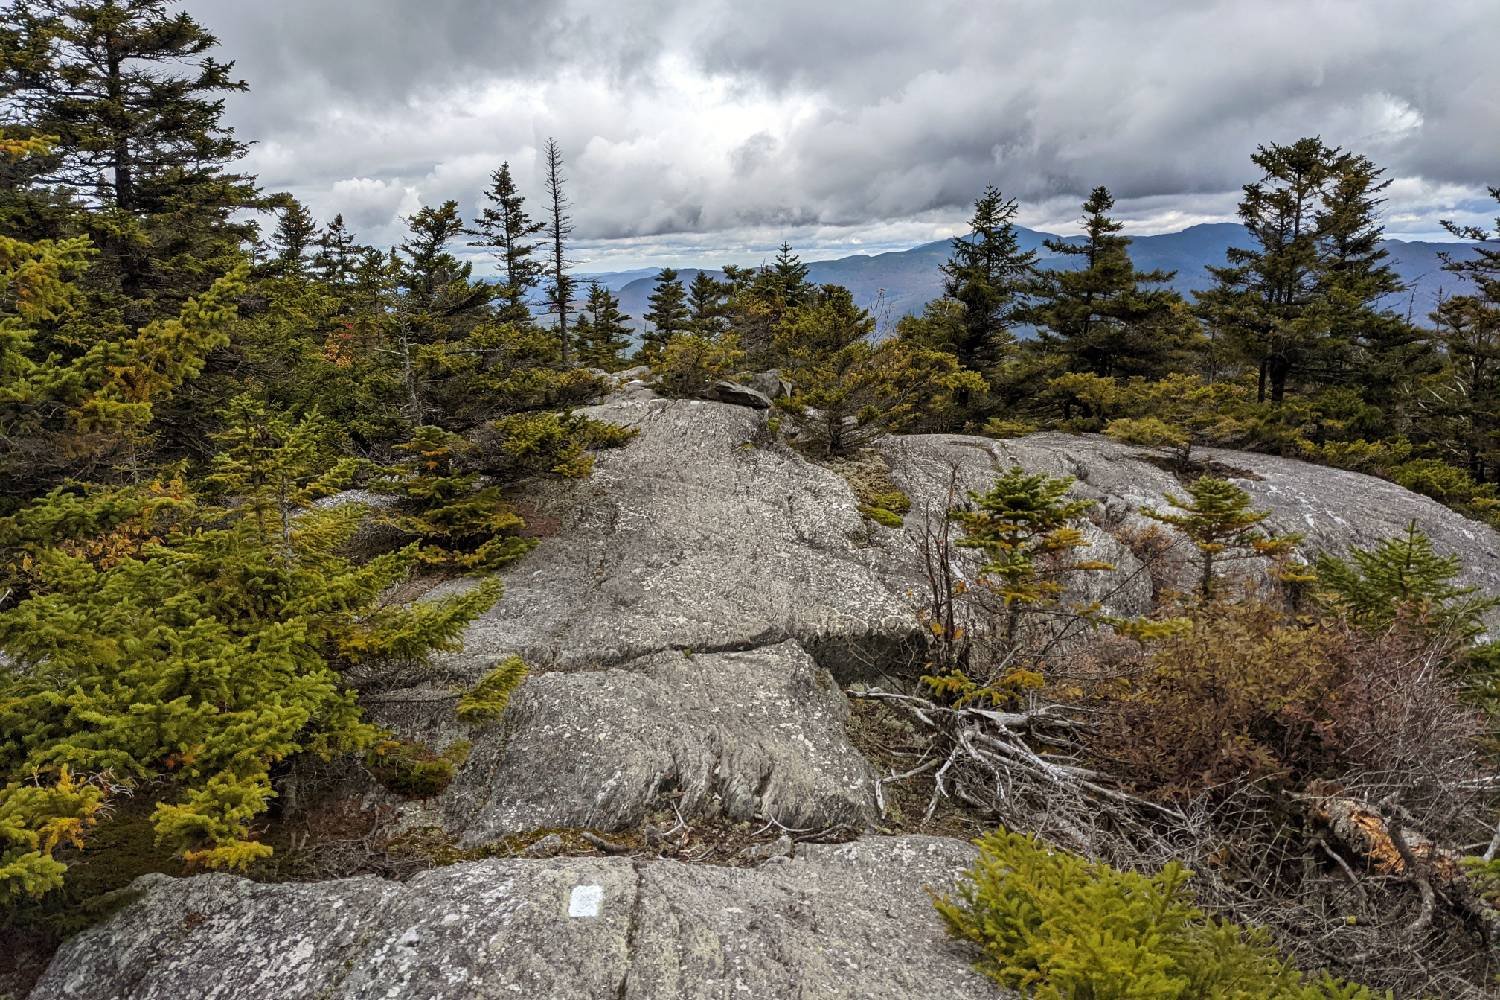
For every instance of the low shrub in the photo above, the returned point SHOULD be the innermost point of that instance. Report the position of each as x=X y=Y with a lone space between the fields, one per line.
x=415 y=770
x=1053 y=925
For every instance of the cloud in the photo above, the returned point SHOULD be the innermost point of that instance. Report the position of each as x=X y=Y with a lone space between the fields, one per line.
x=693 y=126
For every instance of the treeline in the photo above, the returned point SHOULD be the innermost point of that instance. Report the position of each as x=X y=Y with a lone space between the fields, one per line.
x=1302 y=347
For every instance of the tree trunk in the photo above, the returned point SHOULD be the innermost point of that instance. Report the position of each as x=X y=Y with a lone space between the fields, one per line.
x=1278 y=370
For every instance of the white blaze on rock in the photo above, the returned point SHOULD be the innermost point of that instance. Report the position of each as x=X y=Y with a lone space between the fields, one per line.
x=585 y=901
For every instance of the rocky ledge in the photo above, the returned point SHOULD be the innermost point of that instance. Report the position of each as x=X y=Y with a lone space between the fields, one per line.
x=692 y=613
x=847 y=922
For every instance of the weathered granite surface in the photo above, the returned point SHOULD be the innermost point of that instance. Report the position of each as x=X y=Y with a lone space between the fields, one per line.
x=691 y=613
x=757 y=735
x=847 y=922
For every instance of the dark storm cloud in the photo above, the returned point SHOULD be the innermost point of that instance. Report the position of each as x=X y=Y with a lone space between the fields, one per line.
x=867 y=120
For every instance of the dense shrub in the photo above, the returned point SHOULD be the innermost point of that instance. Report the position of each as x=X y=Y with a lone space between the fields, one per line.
x=1053 y=925
x=193 y=664
x=691 y=363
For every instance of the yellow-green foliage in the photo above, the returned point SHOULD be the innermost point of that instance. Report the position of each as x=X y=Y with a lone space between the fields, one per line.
x=1058 y=927
x=691 y=363
x=882 y=517
x=1001 y=427
x=487 y=700
x=859 y=389
x=189 y=666
x=79 y=405
x=504 y=368
x=1026 y=530
x=877 y=494
x=529 y=444
x=1216 y=516
x=414 y=770
x=459 y=522
x=1149 y=431
x=35 y=820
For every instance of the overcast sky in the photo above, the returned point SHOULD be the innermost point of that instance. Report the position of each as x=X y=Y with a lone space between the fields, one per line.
x=707 y=131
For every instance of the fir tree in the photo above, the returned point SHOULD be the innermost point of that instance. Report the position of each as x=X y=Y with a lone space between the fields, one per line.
x=706 y=306
x=1386 y=354
x=1217 y=518
x=133 y=97
x=76 y=409
x=504 y=228
x=1462 y=412
x=860 y=390
x=786 y=278
x=1051 y=924
x=437 y=300
x=988 y=274
x=214 y=651
x=1304 y=300
x=608 y=335
x=1026 y=529
x=337 y=259
x=1099 y=318
x=668 y=314
x=458 y=522
x=1403 y=575
x=295 y=237
x=1467 y=393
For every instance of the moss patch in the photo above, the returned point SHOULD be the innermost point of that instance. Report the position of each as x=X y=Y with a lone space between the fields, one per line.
x=880 y=498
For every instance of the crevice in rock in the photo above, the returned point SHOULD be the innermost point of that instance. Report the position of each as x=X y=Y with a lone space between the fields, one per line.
x=632 y=923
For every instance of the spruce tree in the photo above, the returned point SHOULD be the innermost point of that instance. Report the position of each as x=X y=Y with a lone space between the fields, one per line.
x=73 y=408
x=1026 y=528
x=1217 y=518
x=437 y=300
x=504 y=228
x=988 y=274
x=706 y=305
x=1303 y=302
x=1266 y=297
x=786 y=278
x=859 y=390
x=1383 y=353
x=760 y=300
x=133 y=98
x=668 y=314
x=1099 y=318
x=1403 y=576
x=609 y=332
x=1461 y=412
x=1464 y=400
x=294 y=239
x=337 y=259
x=214 y=649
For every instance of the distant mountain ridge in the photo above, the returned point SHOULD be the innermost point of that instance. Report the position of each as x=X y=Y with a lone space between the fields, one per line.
x=901 y=282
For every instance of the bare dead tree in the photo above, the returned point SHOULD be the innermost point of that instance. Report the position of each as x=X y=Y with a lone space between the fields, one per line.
x=559 y=229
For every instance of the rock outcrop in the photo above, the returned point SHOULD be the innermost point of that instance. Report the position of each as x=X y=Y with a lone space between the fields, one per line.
x=691 y=613
x=847 y=922
x=758 y=735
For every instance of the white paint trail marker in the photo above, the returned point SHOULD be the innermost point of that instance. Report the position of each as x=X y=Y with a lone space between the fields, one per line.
x=585 y=901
